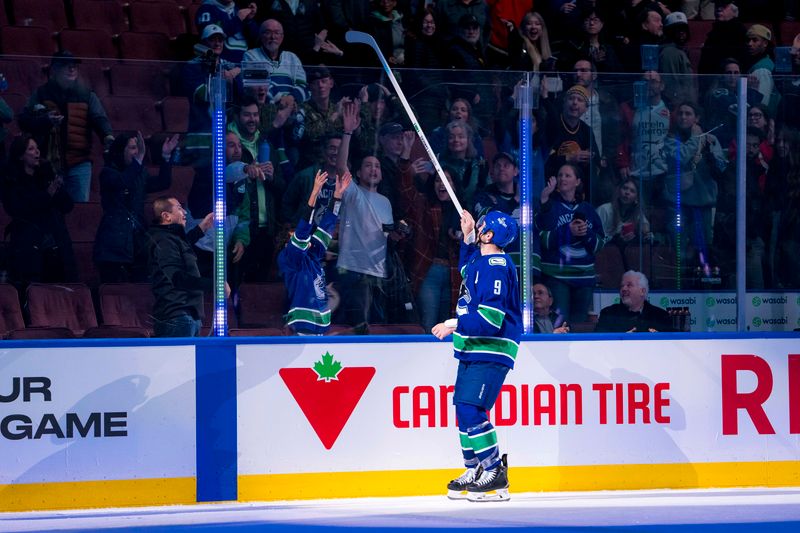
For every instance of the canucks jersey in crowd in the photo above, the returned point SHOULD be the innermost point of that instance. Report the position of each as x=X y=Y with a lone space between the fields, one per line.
x=300 y=262
x=489 y=322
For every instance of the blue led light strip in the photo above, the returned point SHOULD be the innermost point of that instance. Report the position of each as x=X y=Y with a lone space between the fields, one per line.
x=526 y=214
x=220 y=324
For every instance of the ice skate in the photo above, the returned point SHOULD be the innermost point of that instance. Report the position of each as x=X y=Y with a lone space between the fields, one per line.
x=457 y=488
x=491 y=485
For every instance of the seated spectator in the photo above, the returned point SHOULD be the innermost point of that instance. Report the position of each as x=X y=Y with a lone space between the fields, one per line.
x=304 y=17
x=451 y=14
x=389 y=29
x=571 y=234
x=300 y=262
x=365 y=223
x=61 y=115
x=460 y=109
x=237 y=24
x=634 y=314
x=462 y=158
x=590 y=44
x=36 y=200
x=120 y=246
x=435 y=233
x=545 y=318
x=623 y=219
x=195 y=78
x=286 y=73
x=529 y=47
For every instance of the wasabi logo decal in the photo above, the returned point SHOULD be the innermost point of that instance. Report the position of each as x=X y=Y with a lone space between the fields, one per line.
x=757 y=319
x=756 y=301
x=710 y=302
x=710 y=322
x=664 y=301
x=798 y=301
x=327 y=394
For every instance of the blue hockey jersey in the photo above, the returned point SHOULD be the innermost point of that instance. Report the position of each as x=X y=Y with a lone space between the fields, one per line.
x=300 y=262
x=489 y=319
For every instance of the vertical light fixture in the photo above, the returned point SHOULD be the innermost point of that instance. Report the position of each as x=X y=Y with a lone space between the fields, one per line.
x=220 y=325
x=524 y=102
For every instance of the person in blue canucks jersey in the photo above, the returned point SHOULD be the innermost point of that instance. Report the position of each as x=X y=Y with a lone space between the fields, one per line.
x=486 y=338
x=300 y=262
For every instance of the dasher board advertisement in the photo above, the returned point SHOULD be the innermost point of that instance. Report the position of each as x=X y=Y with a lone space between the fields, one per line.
x=76 y=414
x=595 y=414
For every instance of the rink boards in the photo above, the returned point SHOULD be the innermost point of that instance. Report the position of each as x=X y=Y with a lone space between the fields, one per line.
x=125 y=422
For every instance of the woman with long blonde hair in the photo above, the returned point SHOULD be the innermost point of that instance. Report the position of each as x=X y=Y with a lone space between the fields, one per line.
x=529 y=46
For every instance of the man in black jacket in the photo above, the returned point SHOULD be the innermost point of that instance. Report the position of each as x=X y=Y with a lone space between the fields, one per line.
x=177 y=285
x=634 y=314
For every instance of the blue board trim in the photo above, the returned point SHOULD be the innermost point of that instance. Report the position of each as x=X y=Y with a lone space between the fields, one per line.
x=216 y=422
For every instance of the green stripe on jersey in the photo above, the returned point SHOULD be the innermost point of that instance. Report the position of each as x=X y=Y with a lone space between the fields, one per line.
x=303 y=245
x=483 y=441
x=493 y=345
x=492 y=315
x=322 y=236
x=312 y=316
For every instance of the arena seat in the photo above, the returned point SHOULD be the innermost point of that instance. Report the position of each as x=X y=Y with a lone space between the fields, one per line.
x=788 y=30
x=49 y=14
x=115 y=332
x=87 y=269
x=609 y=268
x=157 y=17
x=127 y=304
x=174 y=113
x=83 y=220
x=100 y=15
x=28 y=41
x=698 y=31
x=262 y=304
x=141 y=80
x=93 y=43
x=39 y=333
x=141 y=45
x=135 y=113
x=10 y=311
x=65 y=305
x=23 y=75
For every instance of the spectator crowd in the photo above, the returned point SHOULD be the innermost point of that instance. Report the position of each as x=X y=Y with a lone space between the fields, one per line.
x=633 y=153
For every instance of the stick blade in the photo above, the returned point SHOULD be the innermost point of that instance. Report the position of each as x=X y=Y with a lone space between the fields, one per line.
x=360 y=37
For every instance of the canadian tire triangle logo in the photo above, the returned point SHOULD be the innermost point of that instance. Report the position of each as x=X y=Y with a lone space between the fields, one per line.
x=327 y=394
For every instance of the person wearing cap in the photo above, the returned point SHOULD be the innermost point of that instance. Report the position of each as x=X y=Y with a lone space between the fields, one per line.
x=61 y=115
x=759 y=63
x=571 y=139
x=725 y=40
x=195 y=83
x=321 y=115
x=502 y=194
x=395 y=143
x=286 y=73
x=674 y=65
x=238 y=25
x=450 y=13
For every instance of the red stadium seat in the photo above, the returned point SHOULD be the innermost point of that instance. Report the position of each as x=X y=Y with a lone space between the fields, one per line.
x=83 y=220
x=10 y=312
x=23 y=75
x=139 y=45
x=67 y=305
x=788 y=28
x=48 y=14
x=39 y=333
x=115 y=332
x=127 y=304
x=157 y=17
x=28 y=41
x=90 y=43
x=262 y=304
x=133 y=113
x=138 y=80
x=175 y=113
x=87 y=270
x=100 y=15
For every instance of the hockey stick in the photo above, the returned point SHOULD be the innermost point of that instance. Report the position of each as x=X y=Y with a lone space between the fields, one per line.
x=366 y=38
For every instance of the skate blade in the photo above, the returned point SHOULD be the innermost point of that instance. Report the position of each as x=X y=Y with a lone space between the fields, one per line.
x=499 y=495
x=457 y=494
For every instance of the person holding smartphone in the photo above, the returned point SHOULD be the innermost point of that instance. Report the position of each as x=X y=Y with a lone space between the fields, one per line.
x=571 y=234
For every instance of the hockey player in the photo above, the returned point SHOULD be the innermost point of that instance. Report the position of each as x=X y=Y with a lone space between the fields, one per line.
x=486 y=338
x=300 y=262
